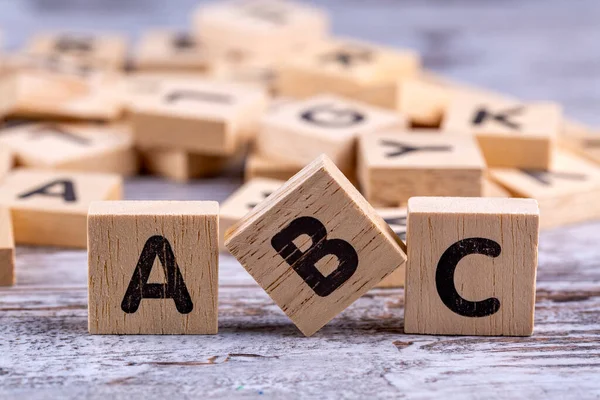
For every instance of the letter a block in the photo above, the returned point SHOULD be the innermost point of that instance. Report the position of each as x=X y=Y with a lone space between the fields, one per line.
x=153 y=267
x=471 y=266
x=315 y=245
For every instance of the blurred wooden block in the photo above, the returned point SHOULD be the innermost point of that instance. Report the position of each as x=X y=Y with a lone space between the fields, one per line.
x=6 y=161
x=259 y=166
x=180 y=165
x=167 y=50
x=396 y=219
x=271 y=29
x=43 y=94
x=49 y=208
x=349 y=68
x=198 y=116
x=106 y=50
x=471 y=266
x=299 y=132
x=73 y=147
x=493 y=189
x=567 y=193
x=315 y=245
x=153 y=267
x=581 y=139
x=394 y=166
x=423 y=102
x=246 y=70
x=7 y=249
x=242 y=201
x=510 y=134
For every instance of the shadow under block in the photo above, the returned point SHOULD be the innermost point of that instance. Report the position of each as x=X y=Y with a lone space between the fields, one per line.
x=7 y=249
x=349 y=68
x=164 y=50
x=83 y=147
x=510 y=134
x=198 y=116
x=567 y=193
x=471 y=266
x=259 y=166
x=153 y=267
x=315 y=245
x=242 y=201
x=180 y=165
x=270 y=29
x=394 y=166
x=396 y=219
x=300 y=131
x=49 y=208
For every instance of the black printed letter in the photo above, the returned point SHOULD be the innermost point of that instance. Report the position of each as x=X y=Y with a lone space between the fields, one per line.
x=328 y=116
x=68 y=192
x=482 y=114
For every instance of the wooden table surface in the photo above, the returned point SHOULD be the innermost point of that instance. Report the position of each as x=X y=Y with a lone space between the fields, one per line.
x=533 y=49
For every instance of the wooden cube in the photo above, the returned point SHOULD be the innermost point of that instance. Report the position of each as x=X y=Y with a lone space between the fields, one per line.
x=567 y=193
x=396 y=219
x=82 y=147
x=106 y=51
x=167 y=50
x=271 y=29
x=242 y=201
x=49 y=208
x=394 y=166
x=471 y=266
x=300 y=131
x=581 y=139
x=180 y=165
x=7 y=249
x=315 y=245
x=510 y=134
x=198 y=116
x=349 y=68
x=259 y=166
x=153 y=267
x=423 y=102
x=247 y=70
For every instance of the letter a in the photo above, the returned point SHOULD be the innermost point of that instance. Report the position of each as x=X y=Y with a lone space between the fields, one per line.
x=68 y=192
x=139 y=288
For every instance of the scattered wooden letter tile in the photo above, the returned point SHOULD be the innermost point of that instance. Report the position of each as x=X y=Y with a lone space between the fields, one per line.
x=567 y=193
x=581 y=139
x=270 y=29
x=259 y=166
x=471 y=266
x=510 y=134
x=394 y=166
x=180 y=165
x=49 y=208
x=84 y=147
x=107 y=51
x=396 y=219
x=153 y=267
x=423 y=102
x=247 y=70
x=198 y=116
x=315 y=245
x=164 y=50
x=301 y=131
x=349 y=68
x=7 y=249
x=242 y=201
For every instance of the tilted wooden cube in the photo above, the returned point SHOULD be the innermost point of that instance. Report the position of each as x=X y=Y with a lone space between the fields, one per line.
x=49 y=208
x=315 y=245
x=510 y=134
x=153 y=267
x=7 y=249
x=394 y=166
x=471 y=266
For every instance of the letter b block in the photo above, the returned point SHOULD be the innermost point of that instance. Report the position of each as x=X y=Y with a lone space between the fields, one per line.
x=315 y=245
x=471 y=266
x=153 y=267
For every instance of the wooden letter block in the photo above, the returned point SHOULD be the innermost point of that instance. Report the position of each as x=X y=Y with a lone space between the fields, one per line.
x=510 y=134
x=198 y=116
x=581 y=139
x=394 y=166
x=315 y=245
x=259 y=166
x=242 y=201
x=396 y=219
x=7 y=249
x=567 y=193
x=301 y=131
x=153 y=267
x=49 y=208
x=180 y=165
x=73 y=147
x=471 y=266
x=163 y=50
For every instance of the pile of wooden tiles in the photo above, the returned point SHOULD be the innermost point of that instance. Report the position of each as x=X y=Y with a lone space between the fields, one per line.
x=349 y=125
